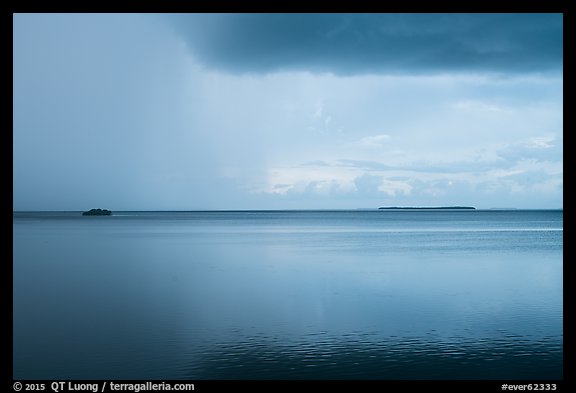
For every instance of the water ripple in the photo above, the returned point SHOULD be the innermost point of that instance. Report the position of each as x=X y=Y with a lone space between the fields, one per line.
x=371 y=357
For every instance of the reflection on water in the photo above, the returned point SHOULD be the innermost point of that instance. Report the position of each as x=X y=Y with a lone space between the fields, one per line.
x=291 y=295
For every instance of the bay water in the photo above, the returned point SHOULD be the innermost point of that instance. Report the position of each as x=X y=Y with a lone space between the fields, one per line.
x=345 y=294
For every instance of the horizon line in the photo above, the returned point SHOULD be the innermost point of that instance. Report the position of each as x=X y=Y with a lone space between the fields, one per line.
x=393 y=208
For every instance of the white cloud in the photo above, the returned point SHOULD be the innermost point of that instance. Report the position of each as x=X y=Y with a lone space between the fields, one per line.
x=540 y=148
x=319 y=110
x=374 y=141
x=544 y=142
x=395 y=187
x=479 y=106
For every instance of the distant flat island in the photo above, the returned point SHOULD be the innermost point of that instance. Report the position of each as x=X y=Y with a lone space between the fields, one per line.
x=428 y=208
x=97 y=212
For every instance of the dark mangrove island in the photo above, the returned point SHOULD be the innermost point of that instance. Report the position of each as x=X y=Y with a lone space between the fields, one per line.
x=428 y=208
x=97 y=212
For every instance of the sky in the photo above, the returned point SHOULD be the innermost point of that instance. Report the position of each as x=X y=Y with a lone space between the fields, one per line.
x=287 y=111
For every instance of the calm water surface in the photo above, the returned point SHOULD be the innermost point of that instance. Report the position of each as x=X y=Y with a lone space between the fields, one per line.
x=289 y=295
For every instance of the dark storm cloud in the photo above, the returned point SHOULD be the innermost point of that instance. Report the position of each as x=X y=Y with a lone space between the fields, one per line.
x=374 y=43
